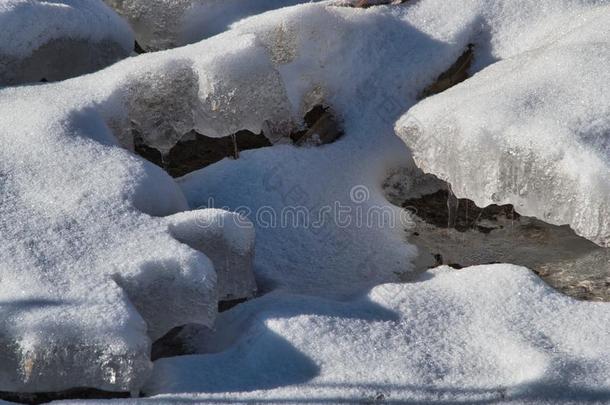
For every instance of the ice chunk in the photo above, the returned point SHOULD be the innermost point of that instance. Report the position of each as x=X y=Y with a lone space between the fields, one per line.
x=485 y=333
x=162 y=103
x=59 y=39
x=222 y=88
x=532 y=131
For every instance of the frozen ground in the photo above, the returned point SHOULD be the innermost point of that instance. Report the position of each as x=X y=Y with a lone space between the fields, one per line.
x=101 y=252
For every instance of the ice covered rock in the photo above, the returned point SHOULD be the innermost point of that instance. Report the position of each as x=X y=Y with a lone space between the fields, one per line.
x=485 y=333
x=59 y=39
x=165 y=24
x=216 y=88
x=531 y=130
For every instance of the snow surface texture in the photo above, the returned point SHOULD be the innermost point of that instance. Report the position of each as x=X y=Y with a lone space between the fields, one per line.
x=165 y=24
x=308 y=50
x=92 y=264
x=89 y=221
x=485 y=333
x=535 y=125
x=55 y=40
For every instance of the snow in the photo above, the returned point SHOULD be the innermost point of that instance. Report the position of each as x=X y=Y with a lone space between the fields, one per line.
x=38 y=35
x=331 y=259
x=534 y=125
x=93 y=264
x=165 y=24
x=100 y=254
x=485 y=333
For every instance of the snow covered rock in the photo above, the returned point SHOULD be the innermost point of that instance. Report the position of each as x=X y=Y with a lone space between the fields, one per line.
x=94 y=266
x=532 y=129
x=485 y=333
x=165 y=24
x=55 y=40
x=88 y=257
x=95 y=250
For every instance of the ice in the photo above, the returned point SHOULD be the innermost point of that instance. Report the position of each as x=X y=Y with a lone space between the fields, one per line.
x=155 y=22
x=530 y=130
x=481 y=334
x=59 y=39
x=165 y=24
x=215 y=88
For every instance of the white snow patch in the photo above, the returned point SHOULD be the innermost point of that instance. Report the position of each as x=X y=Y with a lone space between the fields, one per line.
x=485 y=333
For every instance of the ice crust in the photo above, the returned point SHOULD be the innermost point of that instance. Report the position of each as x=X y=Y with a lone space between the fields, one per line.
x=485 y=333
x=55 y=40
x=531 y=129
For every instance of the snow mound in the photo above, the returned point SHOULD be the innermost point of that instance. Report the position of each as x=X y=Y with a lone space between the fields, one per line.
x=165 y=24
x=485 y=333
x=97 y=254
x=94 y=266
x=532 y=129
x=54 y=40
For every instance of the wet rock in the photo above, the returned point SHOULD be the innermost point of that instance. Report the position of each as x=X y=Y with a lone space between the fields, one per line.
x=456 y=232
x=322 y=127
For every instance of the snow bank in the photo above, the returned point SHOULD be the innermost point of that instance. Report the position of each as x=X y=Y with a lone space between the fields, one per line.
x=485 y=333
x=89 y=259
x=55 y=40
x=97 y=256
x=165 y=24
x=89 y=268
x=531 y=129
x=93 y=263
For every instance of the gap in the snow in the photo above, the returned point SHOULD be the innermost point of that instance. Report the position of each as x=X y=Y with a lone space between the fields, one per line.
x=173 y=344
x=197 y=151
x=75 y=393
x=456 y=232
x=372 y=3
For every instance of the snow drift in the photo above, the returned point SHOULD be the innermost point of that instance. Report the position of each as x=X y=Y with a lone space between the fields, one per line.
x=100 y=254
x=485 y=333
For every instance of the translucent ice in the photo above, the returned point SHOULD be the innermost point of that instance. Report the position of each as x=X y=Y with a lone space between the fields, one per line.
x=531 y=130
